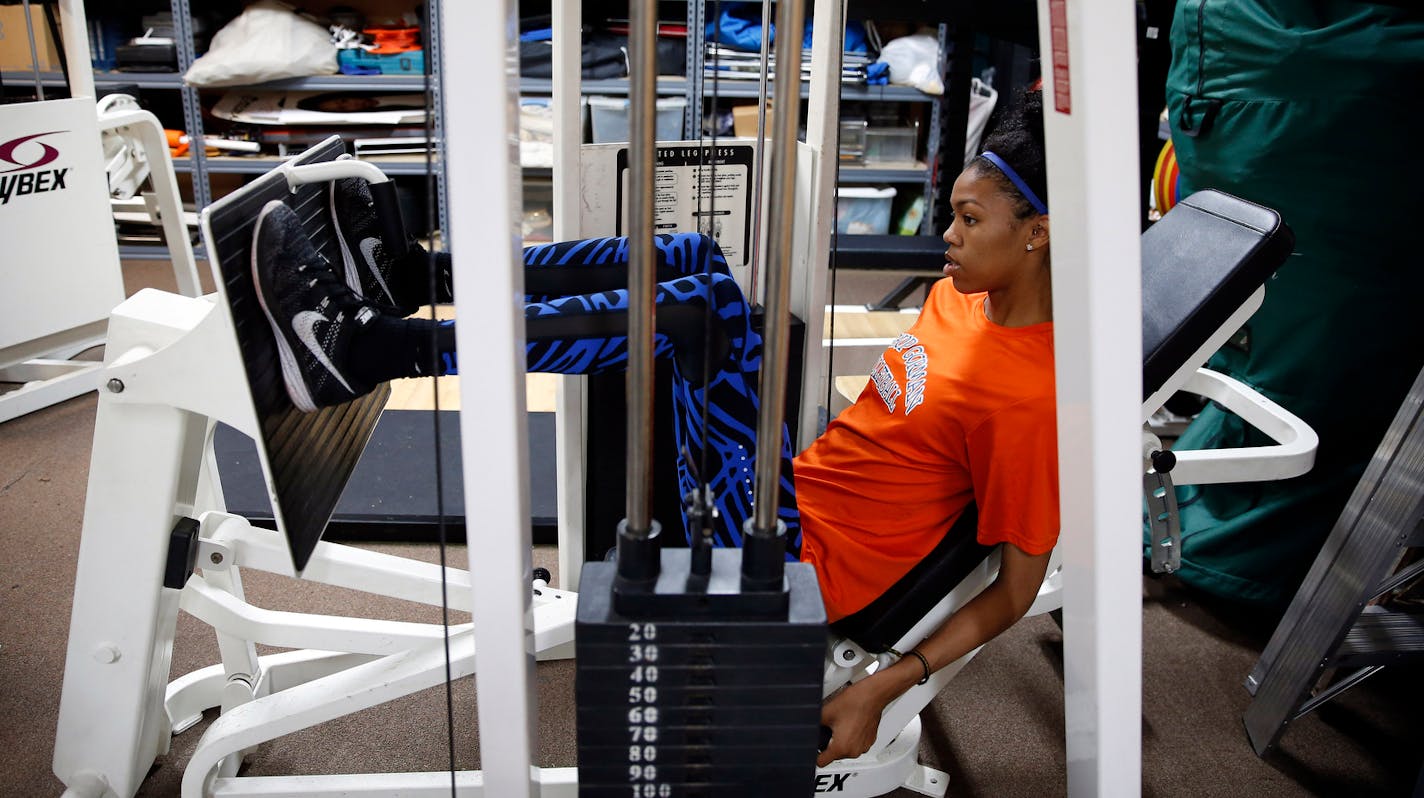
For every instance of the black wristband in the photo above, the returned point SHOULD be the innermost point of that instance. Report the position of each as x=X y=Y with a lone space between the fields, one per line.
x=923 y=663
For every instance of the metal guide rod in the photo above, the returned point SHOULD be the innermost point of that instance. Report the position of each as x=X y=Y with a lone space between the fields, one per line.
x=789 y=18
x=643 y=76
x=755 y=259
x=34 y=52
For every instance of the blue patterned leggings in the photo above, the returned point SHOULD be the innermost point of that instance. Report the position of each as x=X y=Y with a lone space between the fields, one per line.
x=576 y=319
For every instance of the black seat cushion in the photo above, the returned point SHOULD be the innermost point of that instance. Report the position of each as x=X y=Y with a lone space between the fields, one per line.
x=885 y=620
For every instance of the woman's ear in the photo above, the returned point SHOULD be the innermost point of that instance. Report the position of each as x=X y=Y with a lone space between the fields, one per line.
x=1038 y=232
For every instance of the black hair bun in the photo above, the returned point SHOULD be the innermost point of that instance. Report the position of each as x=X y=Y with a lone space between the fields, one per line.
x=1018 y=139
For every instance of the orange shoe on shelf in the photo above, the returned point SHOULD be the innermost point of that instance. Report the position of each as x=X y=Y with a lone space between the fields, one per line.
x=393 y=39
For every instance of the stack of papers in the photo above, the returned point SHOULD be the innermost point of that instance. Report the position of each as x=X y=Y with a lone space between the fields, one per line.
x=725 y=63
x=320 y=108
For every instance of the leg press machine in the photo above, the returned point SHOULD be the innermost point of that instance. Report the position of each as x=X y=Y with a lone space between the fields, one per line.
x=157 y=539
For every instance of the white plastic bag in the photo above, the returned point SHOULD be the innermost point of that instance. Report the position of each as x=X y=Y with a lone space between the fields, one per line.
x=268 y=41
x=982 y=99
x=914 y=61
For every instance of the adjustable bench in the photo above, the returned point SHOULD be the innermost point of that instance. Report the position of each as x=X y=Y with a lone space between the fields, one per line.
x=1204 y=266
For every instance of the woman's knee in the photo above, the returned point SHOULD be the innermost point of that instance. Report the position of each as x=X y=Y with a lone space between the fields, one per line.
x=693 y=253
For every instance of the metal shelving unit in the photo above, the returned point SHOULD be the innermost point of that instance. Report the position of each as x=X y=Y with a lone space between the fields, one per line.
x=862 y=175
x=201 y=167
x=154 y=252
x=256 y=165
x=668 y=86
x=864 y=250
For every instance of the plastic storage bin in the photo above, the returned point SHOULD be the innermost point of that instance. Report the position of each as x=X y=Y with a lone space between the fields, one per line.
x=536 y=130
x=890 y=144
x=360 y=62
x=863 y=211
x=852 y=149
x=610 y=118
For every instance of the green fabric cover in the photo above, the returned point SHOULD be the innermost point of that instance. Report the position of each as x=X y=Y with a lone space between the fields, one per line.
x=1318 y=110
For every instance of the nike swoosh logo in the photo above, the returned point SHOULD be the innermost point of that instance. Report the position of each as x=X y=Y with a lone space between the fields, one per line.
x=368 y=251
x=304 y=324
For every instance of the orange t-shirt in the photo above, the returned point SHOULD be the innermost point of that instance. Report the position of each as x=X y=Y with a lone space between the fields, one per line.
x=958 y=409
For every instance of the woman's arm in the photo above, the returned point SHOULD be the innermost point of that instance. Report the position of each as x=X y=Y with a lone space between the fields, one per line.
x=853 y=714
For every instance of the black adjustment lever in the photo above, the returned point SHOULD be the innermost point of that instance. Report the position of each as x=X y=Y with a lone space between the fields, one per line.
x=182 y=553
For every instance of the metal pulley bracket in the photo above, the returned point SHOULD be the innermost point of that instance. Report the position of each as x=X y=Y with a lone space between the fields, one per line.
x=701 y=514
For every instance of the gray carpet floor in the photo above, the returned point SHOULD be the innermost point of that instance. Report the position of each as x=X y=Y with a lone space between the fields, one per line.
x=997 y=729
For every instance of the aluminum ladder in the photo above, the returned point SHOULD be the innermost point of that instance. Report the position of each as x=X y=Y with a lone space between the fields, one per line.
x=1334 y=622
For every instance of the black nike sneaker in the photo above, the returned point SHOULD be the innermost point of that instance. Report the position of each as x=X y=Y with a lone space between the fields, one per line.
x=400 y=284
x=313 y=313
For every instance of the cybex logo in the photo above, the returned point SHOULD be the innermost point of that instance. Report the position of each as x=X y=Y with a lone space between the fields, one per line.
x=832 y=782
x=25 y=175
x=29 y=157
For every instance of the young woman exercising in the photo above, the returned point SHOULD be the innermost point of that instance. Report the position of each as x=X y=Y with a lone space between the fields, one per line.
x=959 y=411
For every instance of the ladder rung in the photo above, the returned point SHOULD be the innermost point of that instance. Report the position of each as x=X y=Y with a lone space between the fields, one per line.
x=1382 y=637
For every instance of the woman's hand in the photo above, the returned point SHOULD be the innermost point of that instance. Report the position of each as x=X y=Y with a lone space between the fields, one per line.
x=853 y=716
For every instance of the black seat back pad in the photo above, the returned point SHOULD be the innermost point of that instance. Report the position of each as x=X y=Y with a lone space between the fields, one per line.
x=1201 y=263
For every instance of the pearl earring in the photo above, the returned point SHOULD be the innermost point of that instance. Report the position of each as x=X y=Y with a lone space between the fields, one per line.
x=1028 y=247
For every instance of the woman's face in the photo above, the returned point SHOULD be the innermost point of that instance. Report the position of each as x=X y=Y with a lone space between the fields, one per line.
x=986 y=241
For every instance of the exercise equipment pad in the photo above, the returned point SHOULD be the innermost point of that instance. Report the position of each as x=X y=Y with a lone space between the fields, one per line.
x=391 y=493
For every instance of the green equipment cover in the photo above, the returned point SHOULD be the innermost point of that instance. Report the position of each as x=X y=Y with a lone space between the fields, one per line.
x=1313 y=108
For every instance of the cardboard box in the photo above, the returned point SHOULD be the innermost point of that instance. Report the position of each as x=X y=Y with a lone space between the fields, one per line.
x=15 y=41
x=744 y=120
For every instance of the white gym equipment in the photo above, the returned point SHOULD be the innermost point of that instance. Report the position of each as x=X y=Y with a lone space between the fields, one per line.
x=173 y=368
x=59 y=287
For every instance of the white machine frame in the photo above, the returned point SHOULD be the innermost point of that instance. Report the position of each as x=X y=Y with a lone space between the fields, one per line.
x=43 y=365
x=173 y=371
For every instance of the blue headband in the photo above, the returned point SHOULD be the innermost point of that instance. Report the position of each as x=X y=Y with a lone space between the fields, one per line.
x=1017 y=181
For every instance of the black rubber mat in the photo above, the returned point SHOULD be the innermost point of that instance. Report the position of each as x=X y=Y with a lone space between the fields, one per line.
x=391 y=493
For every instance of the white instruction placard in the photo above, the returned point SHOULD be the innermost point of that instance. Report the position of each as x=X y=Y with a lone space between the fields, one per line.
x=698 y=187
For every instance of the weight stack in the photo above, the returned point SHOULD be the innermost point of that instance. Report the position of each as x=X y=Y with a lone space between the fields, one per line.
x=696 y=685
